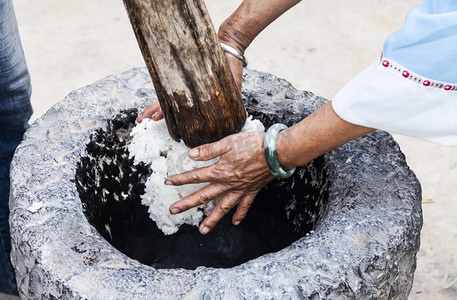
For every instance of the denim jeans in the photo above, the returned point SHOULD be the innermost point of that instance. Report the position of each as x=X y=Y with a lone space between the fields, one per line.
x=15 y=111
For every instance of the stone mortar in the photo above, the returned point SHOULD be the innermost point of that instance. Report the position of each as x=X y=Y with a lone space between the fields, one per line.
x=363 y=248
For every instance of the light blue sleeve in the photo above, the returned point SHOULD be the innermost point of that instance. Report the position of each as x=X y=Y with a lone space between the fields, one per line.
x=427 y=43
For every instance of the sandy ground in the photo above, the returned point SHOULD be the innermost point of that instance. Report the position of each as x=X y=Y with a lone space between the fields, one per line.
x=317 y=46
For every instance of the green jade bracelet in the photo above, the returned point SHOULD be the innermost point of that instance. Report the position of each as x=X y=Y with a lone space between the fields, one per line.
x=269 y=146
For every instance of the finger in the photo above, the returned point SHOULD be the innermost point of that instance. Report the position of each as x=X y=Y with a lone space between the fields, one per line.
x=202 y=196
x=242 y=209
x=210 y=151
x=158 y=115
x=222 y=208
x=199 y=175
x=150 y=112
x=147 y=113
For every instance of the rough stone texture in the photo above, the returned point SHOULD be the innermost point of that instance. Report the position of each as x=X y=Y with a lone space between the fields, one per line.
x=364 y=247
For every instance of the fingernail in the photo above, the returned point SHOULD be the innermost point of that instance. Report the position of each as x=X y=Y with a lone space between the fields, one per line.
x=193 y=152
x=205 y=230
x=174 y=211
x=154 y=116
x=168 y=182
x=236 y=223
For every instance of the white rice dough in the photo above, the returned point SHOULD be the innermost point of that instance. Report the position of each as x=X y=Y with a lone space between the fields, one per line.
x=152 y=144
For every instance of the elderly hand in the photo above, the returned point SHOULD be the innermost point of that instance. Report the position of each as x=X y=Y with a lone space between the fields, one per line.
x=227 y=36
x=237 y=177
x=238 y=31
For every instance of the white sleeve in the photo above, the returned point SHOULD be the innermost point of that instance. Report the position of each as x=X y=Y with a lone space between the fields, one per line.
x=400 y=101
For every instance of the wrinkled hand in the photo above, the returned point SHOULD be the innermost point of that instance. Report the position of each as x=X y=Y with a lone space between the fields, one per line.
x=153 y=112
x=227 y=37
x=237 y=177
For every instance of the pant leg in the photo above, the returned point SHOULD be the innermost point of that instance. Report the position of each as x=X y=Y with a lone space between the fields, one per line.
x=15 y=111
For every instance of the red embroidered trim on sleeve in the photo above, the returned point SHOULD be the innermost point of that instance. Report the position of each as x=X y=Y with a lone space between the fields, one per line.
x=396 y=68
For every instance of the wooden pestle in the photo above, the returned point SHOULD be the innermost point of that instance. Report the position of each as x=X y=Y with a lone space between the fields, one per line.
x=192 y=79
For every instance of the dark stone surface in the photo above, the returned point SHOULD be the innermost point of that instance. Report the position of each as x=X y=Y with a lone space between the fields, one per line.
x=364 y=247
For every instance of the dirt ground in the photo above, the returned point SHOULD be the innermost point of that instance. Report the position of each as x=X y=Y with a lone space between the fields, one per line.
x=317 y=46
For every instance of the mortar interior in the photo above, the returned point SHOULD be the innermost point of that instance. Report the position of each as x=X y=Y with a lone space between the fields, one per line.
x=110 y=187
